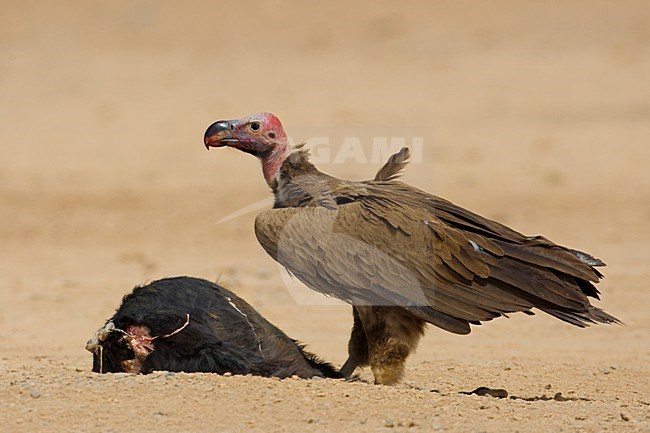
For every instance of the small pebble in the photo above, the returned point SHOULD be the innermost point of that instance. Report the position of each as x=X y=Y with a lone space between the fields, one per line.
x=624 y=416
x=484 y=391
x=389 y=422
x=558 y=397
x=227 y=374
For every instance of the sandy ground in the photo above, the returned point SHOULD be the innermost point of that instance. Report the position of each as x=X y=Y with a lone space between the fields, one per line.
x=534 y=114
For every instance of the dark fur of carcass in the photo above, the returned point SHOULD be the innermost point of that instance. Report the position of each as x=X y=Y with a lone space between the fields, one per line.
x=223 y=334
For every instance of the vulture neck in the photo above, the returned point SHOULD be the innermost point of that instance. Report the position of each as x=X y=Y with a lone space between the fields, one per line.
x=294 y=163
x=272 y=164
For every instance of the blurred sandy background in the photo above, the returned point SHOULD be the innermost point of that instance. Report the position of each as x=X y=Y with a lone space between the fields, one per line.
x=540 y=117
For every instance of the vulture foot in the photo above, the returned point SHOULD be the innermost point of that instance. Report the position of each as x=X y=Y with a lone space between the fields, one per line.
x=355 y=378
x=388 y=373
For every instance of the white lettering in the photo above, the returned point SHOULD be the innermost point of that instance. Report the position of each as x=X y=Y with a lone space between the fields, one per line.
x=320 y=150
x=350 y=149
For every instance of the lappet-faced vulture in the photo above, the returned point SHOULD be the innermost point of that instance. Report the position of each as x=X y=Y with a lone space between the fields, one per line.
x=401 y=256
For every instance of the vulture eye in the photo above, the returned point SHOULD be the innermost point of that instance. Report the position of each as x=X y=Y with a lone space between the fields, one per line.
x=255 y=126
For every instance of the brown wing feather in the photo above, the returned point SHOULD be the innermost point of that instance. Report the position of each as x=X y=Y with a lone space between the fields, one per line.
x=379 y=252
x=313 y=245
x=550 y=277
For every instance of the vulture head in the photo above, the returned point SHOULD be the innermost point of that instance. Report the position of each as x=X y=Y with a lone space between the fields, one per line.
x=260 y=134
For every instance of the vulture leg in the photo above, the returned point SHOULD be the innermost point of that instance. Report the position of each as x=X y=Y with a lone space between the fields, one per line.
x=391 y=336
x=348 y=367
x=357 y=347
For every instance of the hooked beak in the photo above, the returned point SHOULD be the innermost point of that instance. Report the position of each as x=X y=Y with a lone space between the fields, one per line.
x=219 y=134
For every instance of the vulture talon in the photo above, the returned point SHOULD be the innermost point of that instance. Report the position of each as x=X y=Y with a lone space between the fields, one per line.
x=355 y=378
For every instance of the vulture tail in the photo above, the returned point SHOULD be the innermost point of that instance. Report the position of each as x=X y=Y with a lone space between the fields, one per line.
x=583 y=318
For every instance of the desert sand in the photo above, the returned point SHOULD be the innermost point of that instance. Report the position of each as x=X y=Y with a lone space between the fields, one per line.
x=534 y=114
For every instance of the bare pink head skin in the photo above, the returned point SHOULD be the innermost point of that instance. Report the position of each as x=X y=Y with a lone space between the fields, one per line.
x=259 y=134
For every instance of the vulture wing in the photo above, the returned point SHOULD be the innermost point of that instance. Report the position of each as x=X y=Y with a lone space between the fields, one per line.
x=391 y=244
